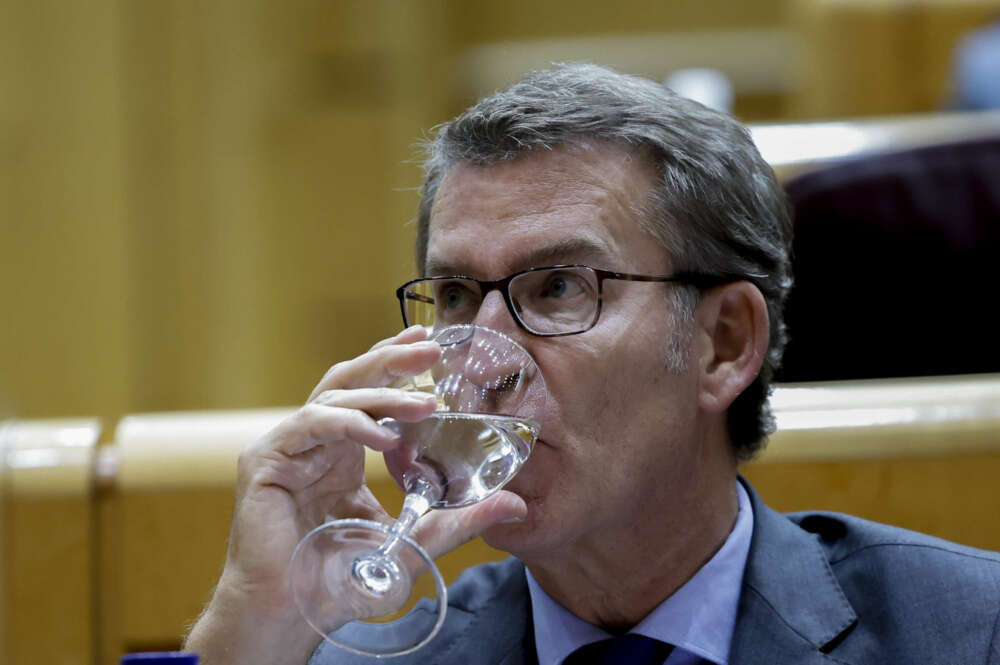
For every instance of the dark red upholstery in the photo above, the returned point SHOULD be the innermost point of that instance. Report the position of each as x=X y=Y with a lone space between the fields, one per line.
x=897 y=265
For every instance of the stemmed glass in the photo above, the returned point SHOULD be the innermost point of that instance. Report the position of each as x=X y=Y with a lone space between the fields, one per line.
x=353 y=580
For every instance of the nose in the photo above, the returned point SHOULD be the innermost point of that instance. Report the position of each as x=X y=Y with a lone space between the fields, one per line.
x=493 y=313
x=485 y=373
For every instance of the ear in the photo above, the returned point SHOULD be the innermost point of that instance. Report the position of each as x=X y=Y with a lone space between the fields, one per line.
x=732 y=320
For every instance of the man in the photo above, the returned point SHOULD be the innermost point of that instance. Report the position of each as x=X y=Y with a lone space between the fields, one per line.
x=629 y=517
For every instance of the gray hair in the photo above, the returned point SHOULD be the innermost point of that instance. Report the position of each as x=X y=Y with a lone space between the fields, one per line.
x=718 y=208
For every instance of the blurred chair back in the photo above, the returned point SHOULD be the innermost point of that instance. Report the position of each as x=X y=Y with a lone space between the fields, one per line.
x=47 y=545
x=895 y=259
x=115 y=548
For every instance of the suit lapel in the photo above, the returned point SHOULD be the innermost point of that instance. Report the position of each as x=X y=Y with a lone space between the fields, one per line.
x=792 y=609
x=500 y=632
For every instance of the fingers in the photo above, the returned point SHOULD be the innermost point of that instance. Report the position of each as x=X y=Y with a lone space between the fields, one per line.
x=406 y=354
x=321 y=425
x=326 y=435
x=441 y=531
x=405 y=405
x=331 y=430
x=412 y=334
x=350 y=416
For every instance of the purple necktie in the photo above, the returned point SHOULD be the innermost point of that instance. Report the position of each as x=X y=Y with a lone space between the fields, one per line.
x=628 y=649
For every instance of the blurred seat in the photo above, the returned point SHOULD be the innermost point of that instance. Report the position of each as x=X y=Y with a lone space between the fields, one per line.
x=922 y=453
x=128 y=537
x=895 y=259
x=48 y=612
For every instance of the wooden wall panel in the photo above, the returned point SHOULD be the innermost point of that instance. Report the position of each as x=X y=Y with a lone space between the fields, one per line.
x=950 y=496
x=50 y=612
x=47 y=559
x=205 y=204
x=478 y=22
x=63 y=263
x=877 y=58
x=5 y=550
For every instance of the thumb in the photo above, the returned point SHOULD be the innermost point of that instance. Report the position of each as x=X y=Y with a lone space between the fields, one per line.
x=441 y=531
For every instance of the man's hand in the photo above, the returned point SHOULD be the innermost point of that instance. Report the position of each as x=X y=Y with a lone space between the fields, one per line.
x=310 y=469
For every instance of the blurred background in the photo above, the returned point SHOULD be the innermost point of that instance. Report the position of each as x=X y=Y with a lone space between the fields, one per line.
x=204 y=204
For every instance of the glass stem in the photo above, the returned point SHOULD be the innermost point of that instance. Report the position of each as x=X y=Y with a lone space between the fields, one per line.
x=421 y=494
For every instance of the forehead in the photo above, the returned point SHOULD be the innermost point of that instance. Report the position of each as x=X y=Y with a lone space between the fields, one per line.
x=573 y=204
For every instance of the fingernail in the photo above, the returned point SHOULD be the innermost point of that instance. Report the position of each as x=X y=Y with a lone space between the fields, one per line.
x=512 y=520
x=390 y=431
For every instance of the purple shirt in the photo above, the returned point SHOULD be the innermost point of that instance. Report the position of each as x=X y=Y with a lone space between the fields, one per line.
x=698 y=619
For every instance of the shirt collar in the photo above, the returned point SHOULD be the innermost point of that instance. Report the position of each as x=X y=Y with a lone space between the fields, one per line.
x=698 y=618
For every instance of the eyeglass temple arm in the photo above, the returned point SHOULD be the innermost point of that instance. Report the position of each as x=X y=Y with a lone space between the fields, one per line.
x=699 y=279
x=405 y=294
x=410 y=295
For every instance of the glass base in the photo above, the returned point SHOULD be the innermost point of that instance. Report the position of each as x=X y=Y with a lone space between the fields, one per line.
x=383 y=616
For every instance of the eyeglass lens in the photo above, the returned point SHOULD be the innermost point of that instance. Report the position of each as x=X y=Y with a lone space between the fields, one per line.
x=553 y=300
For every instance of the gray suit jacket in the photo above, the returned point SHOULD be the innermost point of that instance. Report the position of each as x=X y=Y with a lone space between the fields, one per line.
x=819 y=588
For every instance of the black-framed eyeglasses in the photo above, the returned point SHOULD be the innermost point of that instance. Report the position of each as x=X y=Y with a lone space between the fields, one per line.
x=548 y=302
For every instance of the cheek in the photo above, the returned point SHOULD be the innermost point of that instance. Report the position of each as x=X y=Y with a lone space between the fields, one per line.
x=607 y=387
x=575 y=377
x=594 y=409
x=636 y=408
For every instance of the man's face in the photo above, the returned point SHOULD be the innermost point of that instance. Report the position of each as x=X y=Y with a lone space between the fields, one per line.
x=616 y=441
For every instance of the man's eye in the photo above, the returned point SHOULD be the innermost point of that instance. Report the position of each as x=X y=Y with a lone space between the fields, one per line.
x=454 y=297
x=561 y=286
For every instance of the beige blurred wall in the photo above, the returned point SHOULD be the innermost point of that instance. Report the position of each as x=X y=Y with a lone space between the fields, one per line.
x=204 y=204
x=870 y=57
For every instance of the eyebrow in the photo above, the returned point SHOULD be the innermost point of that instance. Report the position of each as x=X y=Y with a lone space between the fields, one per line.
x=567 y=250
